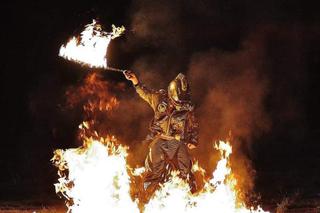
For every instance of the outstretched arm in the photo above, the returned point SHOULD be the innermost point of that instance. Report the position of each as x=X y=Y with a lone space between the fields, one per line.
x=145 y=93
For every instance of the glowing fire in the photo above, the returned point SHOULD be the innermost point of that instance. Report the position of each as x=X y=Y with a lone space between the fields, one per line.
x=218 y=195
x=94 y=178
x=91 y=47
x=98 y=181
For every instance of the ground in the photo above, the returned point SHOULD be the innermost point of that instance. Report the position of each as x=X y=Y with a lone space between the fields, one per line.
x=33 y=206
x=308 y=205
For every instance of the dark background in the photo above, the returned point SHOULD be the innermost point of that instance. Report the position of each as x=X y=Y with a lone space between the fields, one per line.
x=34 y=80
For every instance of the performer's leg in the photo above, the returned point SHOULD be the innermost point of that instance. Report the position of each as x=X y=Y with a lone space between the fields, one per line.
x=185 y=164
x=184 y=160
x=155 y=167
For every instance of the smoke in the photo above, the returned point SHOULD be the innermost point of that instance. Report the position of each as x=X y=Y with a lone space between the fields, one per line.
x=230 y=89
x=229 y=77
x=154 y=22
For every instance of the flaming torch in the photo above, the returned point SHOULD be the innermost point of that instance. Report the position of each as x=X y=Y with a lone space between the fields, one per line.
x=90 y=48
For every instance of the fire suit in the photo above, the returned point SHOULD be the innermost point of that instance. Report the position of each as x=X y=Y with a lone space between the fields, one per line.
x=172 y=128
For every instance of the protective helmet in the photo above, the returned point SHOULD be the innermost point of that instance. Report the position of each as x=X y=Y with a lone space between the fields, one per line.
x=178 y=89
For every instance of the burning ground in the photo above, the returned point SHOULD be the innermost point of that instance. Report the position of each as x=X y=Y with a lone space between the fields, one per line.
x=96 y=176
x=253 y=70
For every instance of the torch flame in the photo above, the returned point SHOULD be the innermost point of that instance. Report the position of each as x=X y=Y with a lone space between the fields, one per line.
x=91 y=47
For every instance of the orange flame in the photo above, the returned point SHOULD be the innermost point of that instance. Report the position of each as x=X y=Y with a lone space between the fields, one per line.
x=96 y=177
x=91 y=47
x=98 y=181
x=218 y=195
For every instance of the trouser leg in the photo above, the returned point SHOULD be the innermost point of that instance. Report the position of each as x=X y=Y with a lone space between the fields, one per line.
x=160 y=153
x=155 y=162
x=184 y=160
x=155 y=168
x=184 y=165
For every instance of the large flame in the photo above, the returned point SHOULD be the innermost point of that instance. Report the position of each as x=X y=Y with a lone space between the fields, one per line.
x=97 y=178
x=98 y=181
x=91 y=47
x=218 y=195
x=94 y=177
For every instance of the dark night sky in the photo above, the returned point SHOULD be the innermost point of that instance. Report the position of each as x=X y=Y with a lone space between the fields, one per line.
x=34 y=79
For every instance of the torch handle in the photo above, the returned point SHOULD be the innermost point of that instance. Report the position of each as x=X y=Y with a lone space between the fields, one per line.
x=114 y=69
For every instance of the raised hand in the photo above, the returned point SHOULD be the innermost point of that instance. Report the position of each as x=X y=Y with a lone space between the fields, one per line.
x=131 y=76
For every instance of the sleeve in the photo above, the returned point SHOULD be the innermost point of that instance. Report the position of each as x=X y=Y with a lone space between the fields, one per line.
x=192 y=129
x=149 y=95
